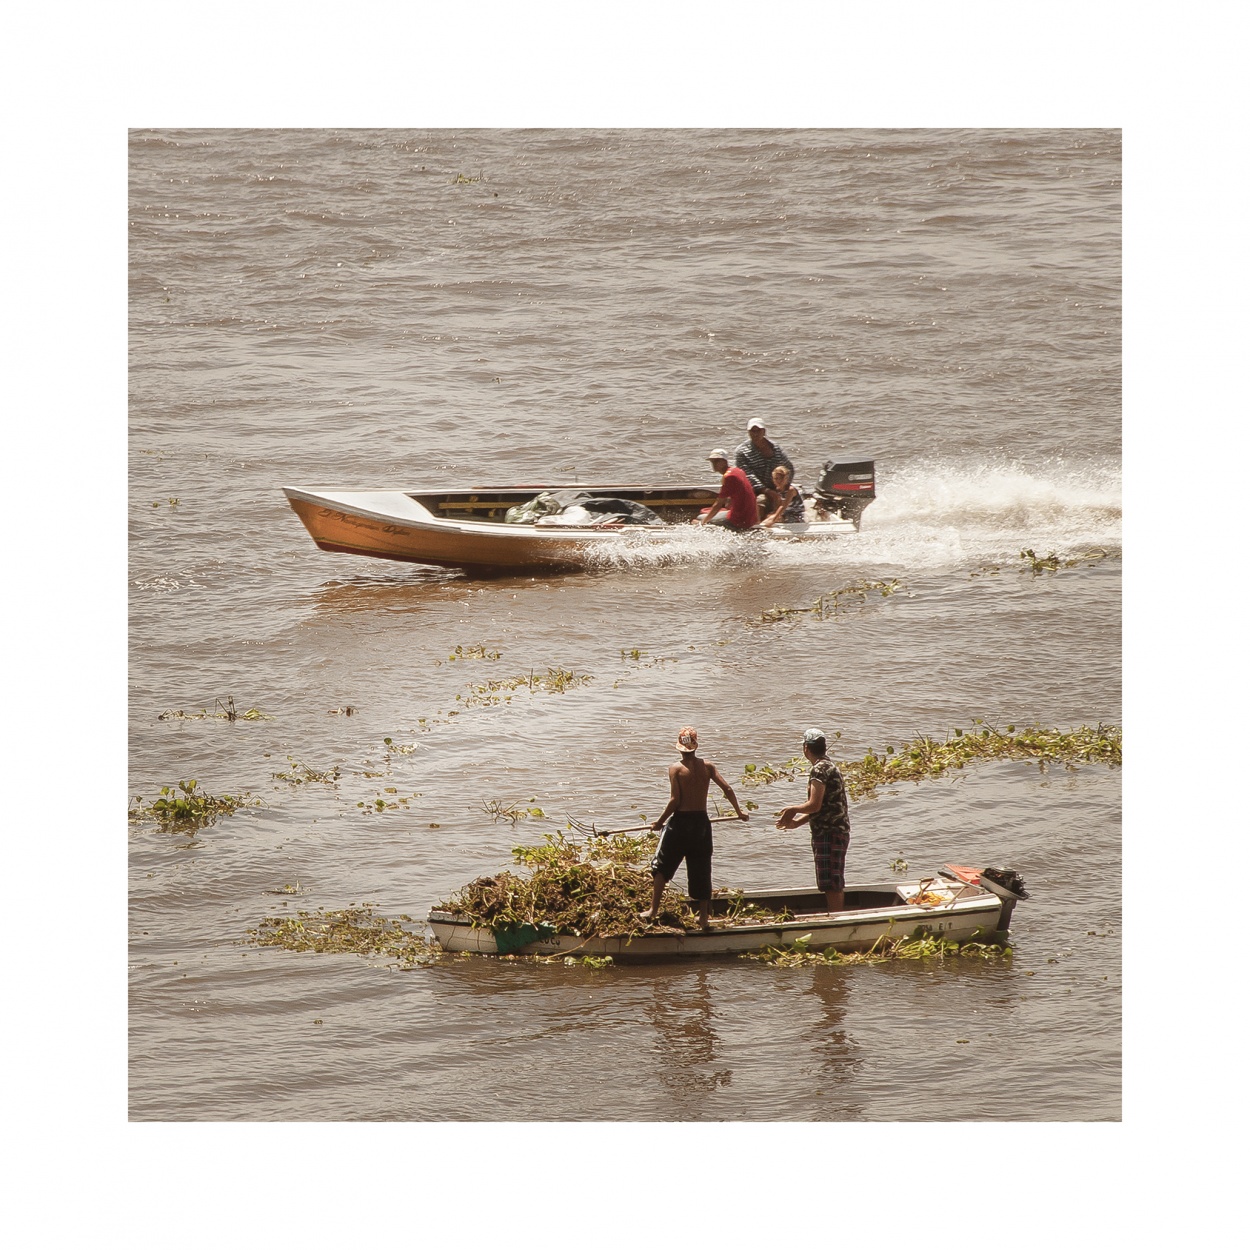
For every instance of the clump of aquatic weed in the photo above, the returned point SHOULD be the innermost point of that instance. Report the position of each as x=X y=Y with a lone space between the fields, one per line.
x=300 y=774
x=379 y=804
x=925 y=757
x=221 y=711
x=640 y=659
x=553 y=681
x=186 y=807
x=470 y=653
x=830 y=604
x=498 y=810
x=353 y=930
x=798 y=953
x=644 y=659
x=1049 y=563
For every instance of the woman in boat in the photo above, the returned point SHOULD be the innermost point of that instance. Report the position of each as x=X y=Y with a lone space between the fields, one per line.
x=791 y=506
x=827 y=810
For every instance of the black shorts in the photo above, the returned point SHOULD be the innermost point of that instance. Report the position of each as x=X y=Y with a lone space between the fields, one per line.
x=688 y=836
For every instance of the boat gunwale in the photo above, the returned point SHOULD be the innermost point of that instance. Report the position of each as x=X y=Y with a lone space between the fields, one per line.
x=547 y=533
x=824 y=920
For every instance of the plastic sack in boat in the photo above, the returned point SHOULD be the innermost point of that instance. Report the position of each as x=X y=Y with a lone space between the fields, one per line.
x=576 y=515
x=528 y=513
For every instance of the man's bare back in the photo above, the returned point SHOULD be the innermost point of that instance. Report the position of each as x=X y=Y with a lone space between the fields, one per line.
x=688 y=782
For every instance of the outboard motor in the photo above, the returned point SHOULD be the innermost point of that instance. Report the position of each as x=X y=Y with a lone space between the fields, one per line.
x=1009 y=886
x=846 y=487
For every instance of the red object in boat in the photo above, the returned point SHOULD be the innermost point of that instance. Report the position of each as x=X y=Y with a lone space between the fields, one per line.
x=971 y=875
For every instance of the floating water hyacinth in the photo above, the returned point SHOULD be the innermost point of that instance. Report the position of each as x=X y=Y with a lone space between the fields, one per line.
x=797 y=954
x=470 y=653
x=497 y=810
x=926 y=757
x=300 y=774
x=348 y=931
x=221 y=711
x=186 y=808
x=829 y=604
x=553 y=681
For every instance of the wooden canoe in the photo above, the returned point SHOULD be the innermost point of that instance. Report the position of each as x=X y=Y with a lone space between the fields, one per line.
x=962 y=911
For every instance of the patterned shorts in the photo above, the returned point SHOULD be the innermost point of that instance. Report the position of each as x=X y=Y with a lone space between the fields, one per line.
x=829 y=854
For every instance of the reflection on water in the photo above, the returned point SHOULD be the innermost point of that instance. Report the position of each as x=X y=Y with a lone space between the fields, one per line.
x=411 y=593
x=687 y=1045
x=410 y=588
x=831 y=1043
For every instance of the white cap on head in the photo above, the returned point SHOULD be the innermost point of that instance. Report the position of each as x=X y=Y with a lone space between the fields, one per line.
x=718 y=453
x=755 y=424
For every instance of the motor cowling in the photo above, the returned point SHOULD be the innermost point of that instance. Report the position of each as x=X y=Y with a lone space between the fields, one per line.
x=847 y=487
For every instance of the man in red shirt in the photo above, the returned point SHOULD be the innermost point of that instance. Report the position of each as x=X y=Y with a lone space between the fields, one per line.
x=737 y=496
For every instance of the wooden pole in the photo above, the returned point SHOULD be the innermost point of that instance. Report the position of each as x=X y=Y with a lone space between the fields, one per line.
x=607 y=833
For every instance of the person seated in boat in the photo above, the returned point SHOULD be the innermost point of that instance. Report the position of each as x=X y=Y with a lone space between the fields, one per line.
x=737 y=497
x=757 y=458
x=687 y=830
x=829 y=813
x=790 y=508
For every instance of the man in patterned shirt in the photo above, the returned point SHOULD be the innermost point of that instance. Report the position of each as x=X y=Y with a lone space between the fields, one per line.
x=830 y=817
x=757 y=458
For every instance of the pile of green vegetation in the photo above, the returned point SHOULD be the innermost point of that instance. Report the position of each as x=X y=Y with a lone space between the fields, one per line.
x=797 y=953
x=926 y=757
x=351 y=931
x=591 y=888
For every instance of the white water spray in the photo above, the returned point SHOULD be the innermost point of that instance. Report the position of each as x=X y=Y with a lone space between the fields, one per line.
x=925 y=516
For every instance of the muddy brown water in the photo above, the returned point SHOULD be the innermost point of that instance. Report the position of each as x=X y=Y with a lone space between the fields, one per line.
x=335 y=308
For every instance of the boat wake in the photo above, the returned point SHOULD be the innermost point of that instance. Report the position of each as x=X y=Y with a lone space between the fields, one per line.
x=928 y=516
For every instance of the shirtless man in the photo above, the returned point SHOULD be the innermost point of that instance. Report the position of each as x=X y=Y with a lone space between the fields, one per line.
x=689 y=832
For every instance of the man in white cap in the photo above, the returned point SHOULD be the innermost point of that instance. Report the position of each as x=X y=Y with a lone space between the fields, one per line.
x=688 y=834
x=830 y=817
x=736 y=496
x=757 y=458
